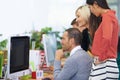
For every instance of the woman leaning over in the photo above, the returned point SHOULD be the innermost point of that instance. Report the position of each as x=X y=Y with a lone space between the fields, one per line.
x=105 y=40
x=82 y=18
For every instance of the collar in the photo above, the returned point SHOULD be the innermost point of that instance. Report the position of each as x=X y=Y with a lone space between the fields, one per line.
x=74 y=50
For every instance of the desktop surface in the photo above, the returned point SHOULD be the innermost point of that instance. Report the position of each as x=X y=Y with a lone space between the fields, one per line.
x=48 y=73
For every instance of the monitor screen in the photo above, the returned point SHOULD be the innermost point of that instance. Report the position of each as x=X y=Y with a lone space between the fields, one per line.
x=18 y=56
x=50 y=46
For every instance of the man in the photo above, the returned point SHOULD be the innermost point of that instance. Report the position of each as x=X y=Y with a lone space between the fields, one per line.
x=74 y=23
x=78 y=64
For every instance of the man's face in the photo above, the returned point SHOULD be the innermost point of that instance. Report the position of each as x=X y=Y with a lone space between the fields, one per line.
x=75 y=25
x=65 y=42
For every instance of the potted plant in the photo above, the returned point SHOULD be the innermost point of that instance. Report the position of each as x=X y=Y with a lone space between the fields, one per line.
x=37 y=37
x=2 y=50
x=1 y=62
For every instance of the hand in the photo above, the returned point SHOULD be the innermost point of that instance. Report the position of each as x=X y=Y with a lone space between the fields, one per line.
x=59 y=54
x=96 y=60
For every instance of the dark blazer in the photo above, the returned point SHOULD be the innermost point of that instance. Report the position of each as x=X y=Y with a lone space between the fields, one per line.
x=85 y=40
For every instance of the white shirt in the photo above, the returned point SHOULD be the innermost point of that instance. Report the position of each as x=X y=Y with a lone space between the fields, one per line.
x=74 y=50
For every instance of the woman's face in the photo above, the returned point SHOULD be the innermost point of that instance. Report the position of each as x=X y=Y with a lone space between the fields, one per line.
x=79 y=18
x=81 y=21
x=94 y=9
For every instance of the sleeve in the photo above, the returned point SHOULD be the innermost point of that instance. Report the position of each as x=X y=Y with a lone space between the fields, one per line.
x=107 y=29
x=68 y=71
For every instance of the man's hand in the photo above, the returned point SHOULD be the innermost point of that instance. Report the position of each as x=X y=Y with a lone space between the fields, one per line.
x=59 y=54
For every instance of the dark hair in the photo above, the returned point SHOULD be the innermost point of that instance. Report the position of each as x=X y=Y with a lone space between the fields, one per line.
x=101 y=3
x=76 y=34
x=73 y=22
x=94 y=24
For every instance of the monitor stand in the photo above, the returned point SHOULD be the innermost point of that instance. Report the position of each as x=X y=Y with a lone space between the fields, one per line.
x=16 y=76
x=11 y=78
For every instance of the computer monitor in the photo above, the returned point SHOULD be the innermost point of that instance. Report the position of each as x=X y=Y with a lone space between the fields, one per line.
x=50 y=46
x=18 y=57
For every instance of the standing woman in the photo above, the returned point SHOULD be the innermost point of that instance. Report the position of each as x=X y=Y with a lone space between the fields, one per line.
x=104 y=46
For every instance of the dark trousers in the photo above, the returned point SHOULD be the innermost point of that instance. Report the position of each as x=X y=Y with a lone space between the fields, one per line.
x=118 y=62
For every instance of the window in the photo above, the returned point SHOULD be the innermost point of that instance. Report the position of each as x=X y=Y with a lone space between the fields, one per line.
x=115 y=5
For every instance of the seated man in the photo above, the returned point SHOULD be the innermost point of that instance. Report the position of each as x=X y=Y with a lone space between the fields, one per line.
x=78 y=64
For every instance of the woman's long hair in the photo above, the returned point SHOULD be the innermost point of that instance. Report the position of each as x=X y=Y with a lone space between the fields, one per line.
x=95 y=21
x=101 y=3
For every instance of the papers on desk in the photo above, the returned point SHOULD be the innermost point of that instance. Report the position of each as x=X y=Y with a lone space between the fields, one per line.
x=34 y=60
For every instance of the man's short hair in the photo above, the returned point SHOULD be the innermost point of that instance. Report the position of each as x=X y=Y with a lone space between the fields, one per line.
x=76 y=34
x=73 y=22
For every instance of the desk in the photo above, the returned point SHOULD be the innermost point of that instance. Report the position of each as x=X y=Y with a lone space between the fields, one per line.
x=48 y=73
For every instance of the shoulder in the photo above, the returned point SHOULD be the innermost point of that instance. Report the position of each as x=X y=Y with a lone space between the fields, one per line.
x=85 y=31
x=109 y=16
x=85 y=34
x=80 y=55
